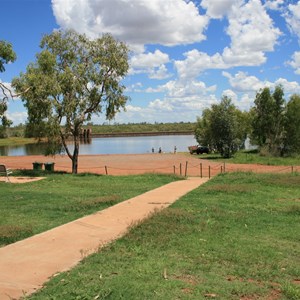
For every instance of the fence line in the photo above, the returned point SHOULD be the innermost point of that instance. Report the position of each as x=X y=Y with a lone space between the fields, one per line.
x=188 y=169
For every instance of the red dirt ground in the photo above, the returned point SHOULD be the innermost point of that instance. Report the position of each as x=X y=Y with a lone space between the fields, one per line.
x=125 y=164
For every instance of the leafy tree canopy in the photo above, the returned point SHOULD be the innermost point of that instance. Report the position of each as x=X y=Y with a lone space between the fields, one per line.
x=7 y=55
x=292 y=125
x=269 y=119
x=72 y=79
x=222 y=127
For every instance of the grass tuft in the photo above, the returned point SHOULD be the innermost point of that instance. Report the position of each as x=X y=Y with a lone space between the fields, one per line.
x=12 y=233
x=291 y=291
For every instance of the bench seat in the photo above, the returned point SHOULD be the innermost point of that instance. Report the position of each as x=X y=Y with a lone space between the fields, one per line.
x=5 y=171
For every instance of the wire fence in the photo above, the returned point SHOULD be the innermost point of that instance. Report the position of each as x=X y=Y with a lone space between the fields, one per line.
x=187 y=169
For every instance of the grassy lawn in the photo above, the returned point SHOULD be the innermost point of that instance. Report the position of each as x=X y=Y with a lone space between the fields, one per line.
x=252 y=157
x=13 y=141
x=143 y=127
x=27 y=209
x=236 y=237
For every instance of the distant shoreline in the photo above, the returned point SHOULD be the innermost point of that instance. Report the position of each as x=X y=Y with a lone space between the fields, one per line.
x=128 y=134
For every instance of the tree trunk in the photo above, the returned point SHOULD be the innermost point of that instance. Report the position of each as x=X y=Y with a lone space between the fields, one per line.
x=75 y=156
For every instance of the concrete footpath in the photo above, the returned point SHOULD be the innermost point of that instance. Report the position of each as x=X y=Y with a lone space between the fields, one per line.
x=26 y=265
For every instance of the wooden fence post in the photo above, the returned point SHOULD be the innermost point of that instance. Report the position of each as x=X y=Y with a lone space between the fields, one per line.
x=209 y=172
x=201 y=170
x=106 y=170
x=186 y=165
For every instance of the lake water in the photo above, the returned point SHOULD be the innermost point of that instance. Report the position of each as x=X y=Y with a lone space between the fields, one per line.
x=115 y=145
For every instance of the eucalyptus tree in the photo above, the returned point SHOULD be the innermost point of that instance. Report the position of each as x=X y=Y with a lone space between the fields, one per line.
x=7 y=55
x=72 y=78
x=292 y=125
x=221 y=128
x=269 y=119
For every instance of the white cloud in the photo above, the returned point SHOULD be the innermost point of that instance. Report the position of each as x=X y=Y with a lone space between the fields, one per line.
x=161 y=105
x=252 y=34
x=160 y=73
x=135 y=87
x=150 y=63
x=243 y=102
x=196 y=62
x=17 y=117
x=230 y=94
x=181 y=90
x=218 y=8
x=274 y=4
x=295 y=62
x=246 y=102
x=293 y=18
x=181 y=102
x=168 y=22
x=289 y=87
x=242 y=83
x=149 y=60
x=131 y=108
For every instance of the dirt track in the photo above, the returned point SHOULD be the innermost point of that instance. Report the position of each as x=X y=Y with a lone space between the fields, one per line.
x=124 y=164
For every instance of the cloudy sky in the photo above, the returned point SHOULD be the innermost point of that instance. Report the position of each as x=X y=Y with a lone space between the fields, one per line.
x=185 y=54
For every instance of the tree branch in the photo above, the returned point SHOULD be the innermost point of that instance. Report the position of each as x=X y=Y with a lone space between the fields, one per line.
x=8 y=93
x=65 y=144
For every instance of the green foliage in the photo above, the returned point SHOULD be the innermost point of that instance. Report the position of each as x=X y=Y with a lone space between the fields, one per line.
x=223 y=127
x=269 y=118
x=11 y=141
x=256 y=157
x=236 y=237
x=72 y=79
x=271 y=124
x=7 y=55
x=141 y=128
x=292 y=125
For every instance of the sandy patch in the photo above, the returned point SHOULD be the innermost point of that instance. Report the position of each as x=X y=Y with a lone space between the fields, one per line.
x=21 y=179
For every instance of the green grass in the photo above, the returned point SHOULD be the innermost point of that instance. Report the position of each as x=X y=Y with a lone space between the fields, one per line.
x=12 y=141
x=236 y=237
x=143 y=127
x=27 y=209
x=123 y=128
x=252 y=157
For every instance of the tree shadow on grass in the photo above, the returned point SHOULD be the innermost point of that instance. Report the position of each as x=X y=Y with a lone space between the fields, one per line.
x=35 y=173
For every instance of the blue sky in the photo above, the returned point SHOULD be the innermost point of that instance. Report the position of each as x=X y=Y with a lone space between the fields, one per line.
x=185 y=55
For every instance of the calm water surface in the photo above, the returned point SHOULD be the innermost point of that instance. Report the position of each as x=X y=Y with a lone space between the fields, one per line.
x=115 y=145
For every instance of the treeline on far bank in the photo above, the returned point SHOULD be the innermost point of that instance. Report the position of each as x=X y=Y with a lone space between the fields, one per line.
x=116 y=128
